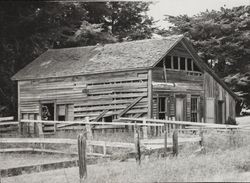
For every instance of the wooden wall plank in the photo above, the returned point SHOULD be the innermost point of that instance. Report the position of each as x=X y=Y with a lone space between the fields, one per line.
x=87 y=95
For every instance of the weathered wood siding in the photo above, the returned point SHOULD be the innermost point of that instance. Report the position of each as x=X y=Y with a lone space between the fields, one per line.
x=175 y=76
x=178 y=84
x=87 y=95
x=215 y=91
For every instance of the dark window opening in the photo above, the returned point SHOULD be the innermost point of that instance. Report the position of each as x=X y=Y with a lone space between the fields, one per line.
x=168 y=62
x=182 y=63
x=189 y=64
x=175 y=60
x=47 y=111
x=196 y=68
x=108 y=119
x=194 y=109
x=61 y=118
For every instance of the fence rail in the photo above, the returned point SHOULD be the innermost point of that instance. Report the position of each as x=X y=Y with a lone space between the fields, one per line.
x=209 y=125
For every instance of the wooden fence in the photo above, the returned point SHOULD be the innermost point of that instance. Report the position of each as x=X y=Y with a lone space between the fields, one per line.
x=8 y=126
x=170 y=130
x=43 y=141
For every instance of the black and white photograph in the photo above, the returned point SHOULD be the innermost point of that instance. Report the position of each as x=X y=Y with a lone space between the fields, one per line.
x=148 y=91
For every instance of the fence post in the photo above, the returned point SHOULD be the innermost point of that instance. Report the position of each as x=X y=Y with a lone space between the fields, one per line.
x=82 y=157
x=175 y=142
x=89 y=130
x=145 y=132
x=202 y=139
x=137 y=145
x=231 y=138
x=40 y=127
x=165 y=139
x=104 y=149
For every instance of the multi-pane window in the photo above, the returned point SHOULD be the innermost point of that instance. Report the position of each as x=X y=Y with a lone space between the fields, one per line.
x=179 y=63
x=194 y=109
x=162 y=107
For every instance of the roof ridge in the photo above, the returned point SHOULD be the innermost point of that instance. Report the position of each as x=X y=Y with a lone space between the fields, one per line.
x=124 y=42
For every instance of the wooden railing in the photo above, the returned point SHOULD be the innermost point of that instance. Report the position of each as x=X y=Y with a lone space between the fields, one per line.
x=7 y=125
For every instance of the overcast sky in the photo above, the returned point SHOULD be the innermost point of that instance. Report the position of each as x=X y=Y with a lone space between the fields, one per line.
x=189 y=7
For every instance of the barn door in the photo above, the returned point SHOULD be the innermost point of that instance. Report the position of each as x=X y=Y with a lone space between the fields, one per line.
x=210 y=112
x=179 y=109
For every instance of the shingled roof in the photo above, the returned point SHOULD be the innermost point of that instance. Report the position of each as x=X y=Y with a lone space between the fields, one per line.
x=98 y=59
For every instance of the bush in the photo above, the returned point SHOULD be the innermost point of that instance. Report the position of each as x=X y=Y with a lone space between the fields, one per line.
x=231 y=121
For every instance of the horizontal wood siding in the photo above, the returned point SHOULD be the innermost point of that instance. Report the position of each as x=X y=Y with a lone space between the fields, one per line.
x=87 y=95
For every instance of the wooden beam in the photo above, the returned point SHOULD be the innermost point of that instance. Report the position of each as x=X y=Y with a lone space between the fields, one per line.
x=9 y=123
x=64 y=141
x=129 y=107
x=90 y=123
x=164 y=70
x=150 y=94
x=18 y=102
x=7 y=118
x=101 y=115
x=138 y=115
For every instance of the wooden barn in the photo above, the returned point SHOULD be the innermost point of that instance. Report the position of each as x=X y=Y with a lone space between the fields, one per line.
x=154 y=78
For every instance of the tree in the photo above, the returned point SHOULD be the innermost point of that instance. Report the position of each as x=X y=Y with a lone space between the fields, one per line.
x=124 y=20
x=30 y=28
x=222 y=39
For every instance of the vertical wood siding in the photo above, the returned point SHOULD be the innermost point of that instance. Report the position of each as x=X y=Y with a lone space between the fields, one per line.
x=214 y=90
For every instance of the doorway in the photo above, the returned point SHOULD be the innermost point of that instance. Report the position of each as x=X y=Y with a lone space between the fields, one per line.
x=162 y=107
x=179 y=109
x=47 y=111
x=220 y=112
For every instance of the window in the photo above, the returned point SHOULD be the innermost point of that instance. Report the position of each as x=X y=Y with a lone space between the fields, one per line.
x=175 y=60
x=196 y=68
x=108 y=119
x=182 y=63
x=194 y=109
x=61 y=112
x=189 y=64
x=162 y=107
x=168 y=62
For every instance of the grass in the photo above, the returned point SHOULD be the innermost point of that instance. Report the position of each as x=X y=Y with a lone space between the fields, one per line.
x=217 y=166
x=223 y=161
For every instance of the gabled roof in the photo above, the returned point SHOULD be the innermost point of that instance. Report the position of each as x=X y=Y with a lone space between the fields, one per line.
x=97 y=59
x=134 y=55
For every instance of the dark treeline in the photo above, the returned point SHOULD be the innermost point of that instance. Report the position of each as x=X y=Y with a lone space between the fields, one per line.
x=30 y=28
x=27 y=29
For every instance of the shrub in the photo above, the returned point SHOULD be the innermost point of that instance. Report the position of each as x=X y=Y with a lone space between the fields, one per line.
x=231 y=121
